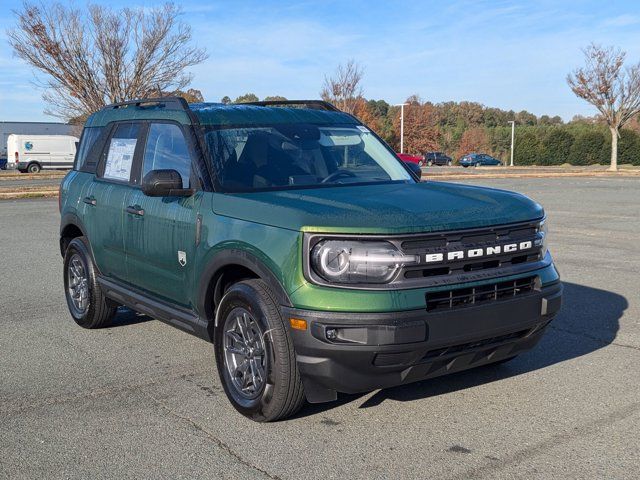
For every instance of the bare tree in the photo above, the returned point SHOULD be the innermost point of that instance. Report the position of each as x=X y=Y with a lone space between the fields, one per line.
x=99 y=56
x=344 y=89
x=613 y=89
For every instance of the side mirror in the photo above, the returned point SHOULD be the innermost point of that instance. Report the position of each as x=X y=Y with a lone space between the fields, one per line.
x=164 y=183
x=415 y=169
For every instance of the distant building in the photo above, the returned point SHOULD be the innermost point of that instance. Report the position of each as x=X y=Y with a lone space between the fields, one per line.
x=32 y=128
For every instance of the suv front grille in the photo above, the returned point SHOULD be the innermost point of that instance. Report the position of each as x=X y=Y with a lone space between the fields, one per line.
x=464 y=241
x=462 y=297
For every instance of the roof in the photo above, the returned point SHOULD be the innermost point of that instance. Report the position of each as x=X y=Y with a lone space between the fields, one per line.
x=216 y=114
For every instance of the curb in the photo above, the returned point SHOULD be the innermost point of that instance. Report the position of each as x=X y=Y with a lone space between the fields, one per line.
x=453 y=176
x=28 y=194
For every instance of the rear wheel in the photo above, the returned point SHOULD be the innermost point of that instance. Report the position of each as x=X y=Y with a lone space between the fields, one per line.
x=87 y=305
x=254 y=354
x=33 y=168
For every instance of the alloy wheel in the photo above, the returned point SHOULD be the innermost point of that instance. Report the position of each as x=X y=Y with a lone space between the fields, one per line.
x=245 y=353
x=78 y=284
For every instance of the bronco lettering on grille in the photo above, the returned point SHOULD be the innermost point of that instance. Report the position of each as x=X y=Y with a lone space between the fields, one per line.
x=478 y=252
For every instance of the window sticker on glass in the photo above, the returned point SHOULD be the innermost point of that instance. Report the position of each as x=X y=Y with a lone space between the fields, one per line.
x=363 y=129
x=120 y=158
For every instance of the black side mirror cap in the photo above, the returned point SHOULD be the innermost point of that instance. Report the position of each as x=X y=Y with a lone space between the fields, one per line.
x=415 y=169
x=164 y=183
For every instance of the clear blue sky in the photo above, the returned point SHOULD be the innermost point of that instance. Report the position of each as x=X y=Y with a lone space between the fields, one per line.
x=507 y=54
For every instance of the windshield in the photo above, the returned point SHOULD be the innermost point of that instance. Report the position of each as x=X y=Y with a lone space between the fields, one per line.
x=294 y=155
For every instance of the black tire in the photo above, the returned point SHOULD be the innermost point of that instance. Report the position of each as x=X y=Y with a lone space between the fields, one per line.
x=100 y=310
x=33 y=168
x=465 y=166
x=282 y=394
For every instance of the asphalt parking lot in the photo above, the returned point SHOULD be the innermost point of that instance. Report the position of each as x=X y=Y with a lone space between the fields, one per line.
x=142 y=400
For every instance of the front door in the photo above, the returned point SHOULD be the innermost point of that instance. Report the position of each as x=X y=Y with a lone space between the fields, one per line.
x=161 y=231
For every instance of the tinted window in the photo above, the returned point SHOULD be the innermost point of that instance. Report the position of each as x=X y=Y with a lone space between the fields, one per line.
x=87 y=141
x=167 y=149
x=122 y=145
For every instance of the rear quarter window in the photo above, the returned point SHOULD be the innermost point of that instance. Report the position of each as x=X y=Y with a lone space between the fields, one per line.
x=86 y=155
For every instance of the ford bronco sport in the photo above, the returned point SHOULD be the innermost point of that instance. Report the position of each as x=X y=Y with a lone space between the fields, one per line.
x=292 y=238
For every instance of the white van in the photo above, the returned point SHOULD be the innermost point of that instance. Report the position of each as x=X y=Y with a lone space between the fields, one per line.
x=32 y=153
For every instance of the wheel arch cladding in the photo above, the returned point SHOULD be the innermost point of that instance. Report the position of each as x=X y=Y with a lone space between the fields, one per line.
x=70 y=228
x=227 y=267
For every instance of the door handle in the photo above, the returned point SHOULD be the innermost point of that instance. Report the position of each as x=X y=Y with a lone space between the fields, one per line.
x=135 y=210
x=89 y=201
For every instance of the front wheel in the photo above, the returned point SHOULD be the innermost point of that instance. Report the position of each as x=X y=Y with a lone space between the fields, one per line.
x=429 y=163
x=477 y=164
x=33 y=168
x=254 y=354
x=449 y=163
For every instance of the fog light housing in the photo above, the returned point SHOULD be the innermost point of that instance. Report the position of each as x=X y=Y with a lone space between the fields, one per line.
x=331 y=334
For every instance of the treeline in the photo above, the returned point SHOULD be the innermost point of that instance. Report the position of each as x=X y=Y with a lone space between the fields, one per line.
x=458 y=128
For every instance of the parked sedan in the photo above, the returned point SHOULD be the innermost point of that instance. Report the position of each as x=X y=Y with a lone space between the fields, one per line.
x=417 y=159
x=478 y=159
x=437 y=158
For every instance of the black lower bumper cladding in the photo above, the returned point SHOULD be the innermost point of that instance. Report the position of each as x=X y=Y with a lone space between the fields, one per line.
x=356 y=352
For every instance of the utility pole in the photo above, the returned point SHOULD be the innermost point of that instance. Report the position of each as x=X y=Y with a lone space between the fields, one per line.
x=513 y=137
x=401 y=105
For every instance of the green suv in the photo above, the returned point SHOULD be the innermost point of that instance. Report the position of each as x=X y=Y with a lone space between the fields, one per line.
x=294 y=239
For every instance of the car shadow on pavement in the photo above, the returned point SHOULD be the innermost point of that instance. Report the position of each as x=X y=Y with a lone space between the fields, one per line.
x=588 y=321
x=125 y=316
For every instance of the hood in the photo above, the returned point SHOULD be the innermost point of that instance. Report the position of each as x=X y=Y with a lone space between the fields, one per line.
x=387 y=208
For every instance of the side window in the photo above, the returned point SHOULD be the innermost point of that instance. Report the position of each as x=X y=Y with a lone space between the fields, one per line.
x=121 y=148
x=167 y=149
x=87 y=141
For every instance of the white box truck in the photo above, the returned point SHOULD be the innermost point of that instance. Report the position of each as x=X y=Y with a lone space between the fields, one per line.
x=32 y=153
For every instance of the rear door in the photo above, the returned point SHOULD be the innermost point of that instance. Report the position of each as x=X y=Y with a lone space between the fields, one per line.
x=161 y=231
x=105 y=198
x=51 y=149
x=69 y=152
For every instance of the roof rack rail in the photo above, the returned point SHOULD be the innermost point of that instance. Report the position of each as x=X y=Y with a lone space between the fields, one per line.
x=313 y=104
x=178 y=103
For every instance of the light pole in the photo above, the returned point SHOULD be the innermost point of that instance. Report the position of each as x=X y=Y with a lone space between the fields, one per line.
x=513 y=137
x=401 y=105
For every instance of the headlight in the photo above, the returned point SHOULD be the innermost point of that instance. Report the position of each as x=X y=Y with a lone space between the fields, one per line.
x=543 y=237
x=346 y=261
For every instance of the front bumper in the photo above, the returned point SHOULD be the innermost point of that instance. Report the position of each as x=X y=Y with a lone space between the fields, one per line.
x=380 y=350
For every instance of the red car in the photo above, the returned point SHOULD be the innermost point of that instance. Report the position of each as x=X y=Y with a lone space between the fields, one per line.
x=411 y=158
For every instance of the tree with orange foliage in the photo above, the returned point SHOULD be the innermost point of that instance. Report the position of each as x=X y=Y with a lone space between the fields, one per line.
x=420 y=126
x=473 y=140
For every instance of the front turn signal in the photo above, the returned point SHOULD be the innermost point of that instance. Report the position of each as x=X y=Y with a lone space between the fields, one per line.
x=298 y=323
